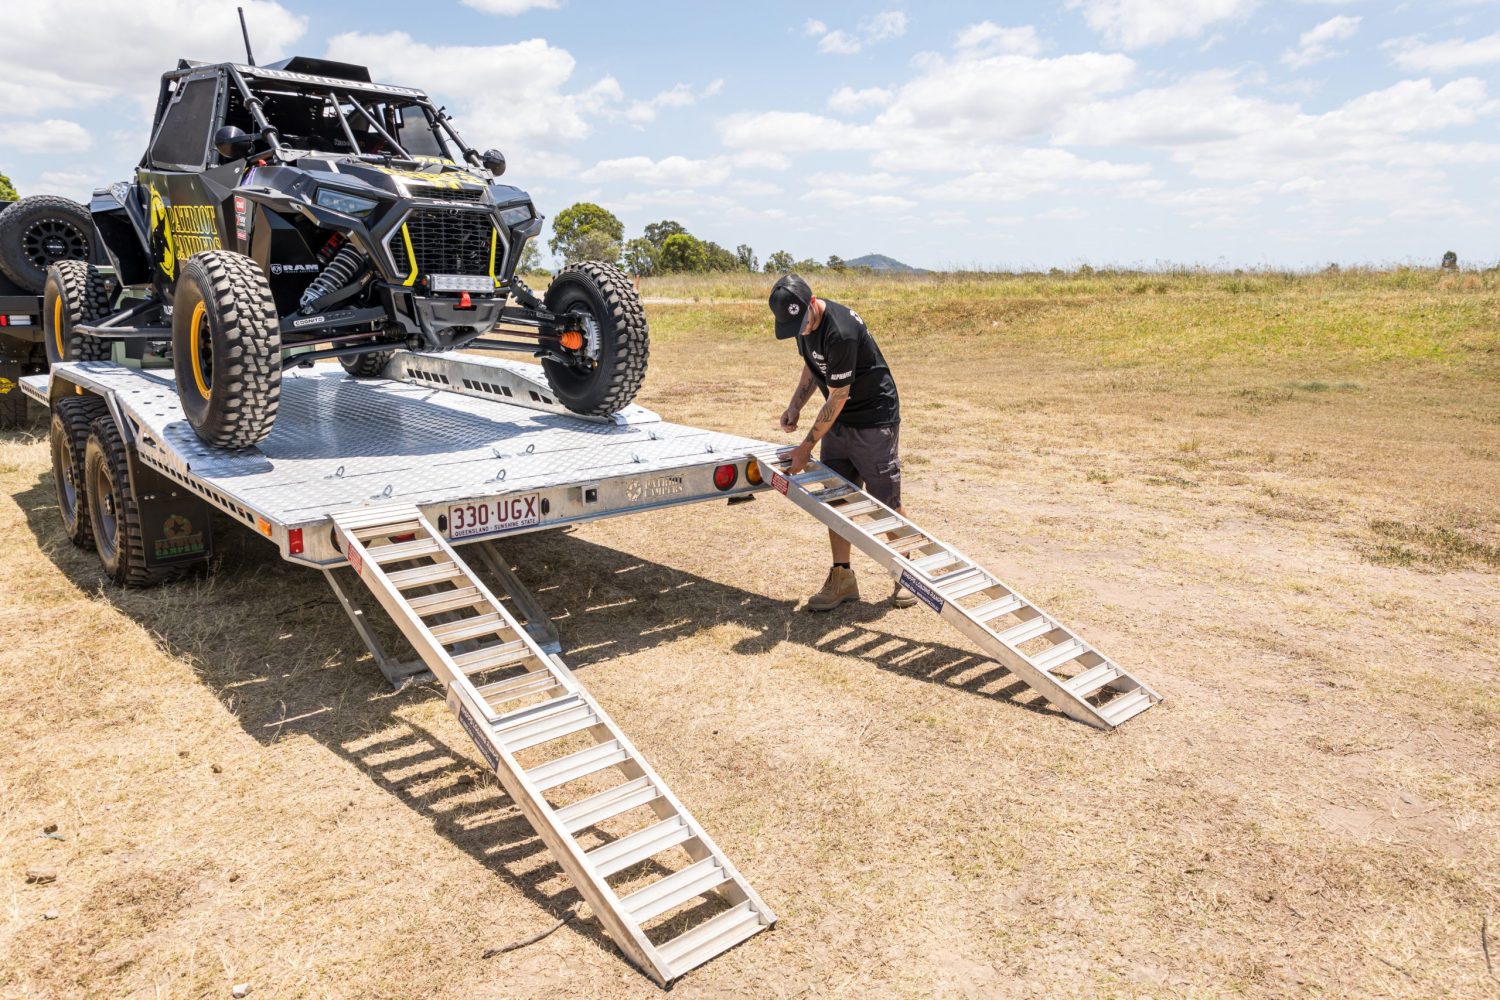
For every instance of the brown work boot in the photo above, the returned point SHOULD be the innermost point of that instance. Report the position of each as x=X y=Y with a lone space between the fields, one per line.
x=903 y=598
x=838 y=588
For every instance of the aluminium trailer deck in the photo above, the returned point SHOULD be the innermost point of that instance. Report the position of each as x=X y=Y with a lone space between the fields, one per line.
x=383 y=478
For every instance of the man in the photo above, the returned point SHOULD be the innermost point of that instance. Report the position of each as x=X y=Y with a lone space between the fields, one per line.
x=860 y=422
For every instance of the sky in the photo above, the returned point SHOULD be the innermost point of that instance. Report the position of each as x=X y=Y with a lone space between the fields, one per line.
x=1222 y=133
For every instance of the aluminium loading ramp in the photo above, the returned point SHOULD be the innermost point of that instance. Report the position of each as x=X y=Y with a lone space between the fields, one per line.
x=1071 y=674
x=519 y=704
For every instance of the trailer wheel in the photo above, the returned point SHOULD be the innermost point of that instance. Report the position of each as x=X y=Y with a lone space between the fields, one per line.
x=76 y=292
x=611 y=378
x=371 y=365
x=37 y=232
x=226 y=349
x=114 y=515
x=69 y=438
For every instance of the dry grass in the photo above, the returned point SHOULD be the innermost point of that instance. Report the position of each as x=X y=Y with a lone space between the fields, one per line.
x=1273 y=497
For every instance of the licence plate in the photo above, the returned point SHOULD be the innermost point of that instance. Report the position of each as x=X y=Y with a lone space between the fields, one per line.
x=484 y=516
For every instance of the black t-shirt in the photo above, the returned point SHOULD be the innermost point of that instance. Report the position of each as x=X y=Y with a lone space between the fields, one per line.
x=840 y=352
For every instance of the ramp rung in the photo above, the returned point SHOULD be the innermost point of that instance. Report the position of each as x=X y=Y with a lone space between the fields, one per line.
x=400 y=551
x=1125 y=706
x=691 y=949
x=935 y=560
x=815 y=476
x=514 y=687
x=554 y=727
x=577 y=765
x=674 y=890
x=881 y=527
x=971 y=587
x=857 y=508
x=452 y=633
x=1059 y=654
x=607 y=804
x=1092 y=680
x=493 y=657
x=835 y=493
x=618 y=855
x=1030 y=629
x=961 y=575
x=423 y=576
x=383 y=530
x=448 y=600
x=996 y=608
x=906 y=543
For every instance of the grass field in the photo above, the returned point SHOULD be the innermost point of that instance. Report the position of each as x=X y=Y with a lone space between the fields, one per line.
x=1274 y=497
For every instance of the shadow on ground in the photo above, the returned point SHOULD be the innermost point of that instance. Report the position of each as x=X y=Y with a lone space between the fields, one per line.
x=269 y=639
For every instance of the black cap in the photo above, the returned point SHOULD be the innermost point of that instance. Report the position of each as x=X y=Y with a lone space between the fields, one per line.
x=790 y=299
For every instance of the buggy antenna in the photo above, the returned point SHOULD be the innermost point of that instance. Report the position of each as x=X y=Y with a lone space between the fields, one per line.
x=249 y=56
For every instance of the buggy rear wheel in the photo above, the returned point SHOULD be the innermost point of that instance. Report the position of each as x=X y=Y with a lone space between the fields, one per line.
x=76 y=293
x=226 y=349
x=616 y=341
x=71 y=419
x=370 y=365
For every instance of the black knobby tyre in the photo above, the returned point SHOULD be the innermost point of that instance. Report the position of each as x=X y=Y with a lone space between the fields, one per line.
x=71 y=420
x=40 y=231
x=226 y=349
x=604 y=292
x=371 y=365
x=114 y=515
x=75 y=292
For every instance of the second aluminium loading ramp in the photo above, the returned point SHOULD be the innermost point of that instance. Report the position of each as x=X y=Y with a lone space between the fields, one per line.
x=1071 y=674
x=541 y=732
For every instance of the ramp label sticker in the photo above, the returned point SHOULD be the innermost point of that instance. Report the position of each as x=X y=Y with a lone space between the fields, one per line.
x=779 y=483
x=921 y=591
x=486 y=750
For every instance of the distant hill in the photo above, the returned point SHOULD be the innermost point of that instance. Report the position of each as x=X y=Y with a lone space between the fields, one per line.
x=880 y=262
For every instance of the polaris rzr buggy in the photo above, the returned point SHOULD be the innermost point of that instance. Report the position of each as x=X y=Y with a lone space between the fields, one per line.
x=297 y=211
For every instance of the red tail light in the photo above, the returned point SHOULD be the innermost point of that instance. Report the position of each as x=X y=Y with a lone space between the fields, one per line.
x=725 y=476
x=294 y=541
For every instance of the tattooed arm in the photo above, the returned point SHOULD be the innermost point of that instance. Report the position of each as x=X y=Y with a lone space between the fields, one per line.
x=802 y=454
x=800 y=395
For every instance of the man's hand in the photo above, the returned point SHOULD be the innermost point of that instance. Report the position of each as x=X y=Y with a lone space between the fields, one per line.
x=789 y=419
x=801 y=455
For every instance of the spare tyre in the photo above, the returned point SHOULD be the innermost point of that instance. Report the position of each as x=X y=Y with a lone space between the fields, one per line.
x=37 y=232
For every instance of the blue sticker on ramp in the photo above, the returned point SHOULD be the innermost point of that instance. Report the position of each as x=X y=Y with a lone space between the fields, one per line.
x=922 y=591
x=481 y=741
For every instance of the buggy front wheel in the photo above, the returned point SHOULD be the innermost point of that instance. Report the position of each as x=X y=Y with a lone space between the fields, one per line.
x=612 y=361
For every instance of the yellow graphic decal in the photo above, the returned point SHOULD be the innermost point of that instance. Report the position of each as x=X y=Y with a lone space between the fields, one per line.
x=411 y=255
x=161 y=237
x=6 y=385
x=195 y=229
x=449 y=180
x=494 y=240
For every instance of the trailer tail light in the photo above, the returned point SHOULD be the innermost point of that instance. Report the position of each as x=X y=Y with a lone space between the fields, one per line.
x=752 y=472
x=726 y=475
x=294 y=541
x=410 y=536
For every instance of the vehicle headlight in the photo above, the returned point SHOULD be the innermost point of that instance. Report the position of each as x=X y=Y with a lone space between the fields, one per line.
x=343 y=201
x=515 y=215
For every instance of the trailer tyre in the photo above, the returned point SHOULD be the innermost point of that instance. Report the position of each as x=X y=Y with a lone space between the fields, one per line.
x=114 y=515
x=605 y=294
x=71 y=420
x=226 y=349
x=371 y=365
x=40 y=231
x=75 y=293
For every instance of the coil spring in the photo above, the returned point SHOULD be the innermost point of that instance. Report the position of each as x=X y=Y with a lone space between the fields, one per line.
x=345 y=265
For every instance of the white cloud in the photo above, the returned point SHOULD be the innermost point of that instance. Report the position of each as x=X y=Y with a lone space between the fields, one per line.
x=676 y=171
x=680 y=95
x=1445 y=56
x=872 y=30
x=1136 y=24
x=51 y=136
x=848 y=101
x=986 y=36
x=1012 y=175
x=488 y=83
x=870 y=182
x=72 y=53
x=1315 y=44
x=509 y=8
x=761 y=159
x=75 y=184
x=849 y=201
x=792 y=132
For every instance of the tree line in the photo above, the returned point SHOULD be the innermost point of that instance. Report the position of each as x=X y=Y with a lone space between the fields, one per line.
x=587 y=231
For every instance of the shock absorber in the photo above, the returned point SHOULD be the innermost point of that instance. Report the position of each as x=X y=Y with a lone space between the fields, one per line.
x=342 y=269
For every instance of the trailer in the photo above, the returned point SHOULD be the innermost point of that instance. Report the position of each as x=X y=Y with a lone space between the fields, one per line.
x=377 y=483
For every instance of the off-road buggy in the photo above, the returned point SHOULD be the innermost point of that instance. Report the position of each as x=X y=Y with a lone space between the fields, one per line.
x=298 y=211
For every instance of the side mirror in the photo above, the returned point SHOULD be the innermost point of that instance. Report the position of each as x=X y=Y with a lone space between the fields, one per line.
x=233 y=143
x=494 y=161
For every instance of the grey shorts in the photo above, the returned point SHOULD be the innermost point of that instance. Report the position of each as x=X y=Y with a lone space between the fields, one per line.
x=869 y=457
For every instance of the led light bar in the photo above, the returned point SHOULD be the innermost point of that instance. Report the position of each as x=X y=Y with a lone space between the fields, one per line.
x=460 y=283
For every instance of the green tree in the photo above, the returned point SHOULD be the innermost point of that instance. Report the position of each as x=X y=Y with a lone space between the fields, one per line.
x=716 y=258
x=8 y=190
x=1450 y=261
x=659 y=232
x=586 y=231
x=746 y=257
x=836 y=263
x=682 y=252
x=531 y=259
x=641 y=257
x=806 y=265
x=779 y=262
